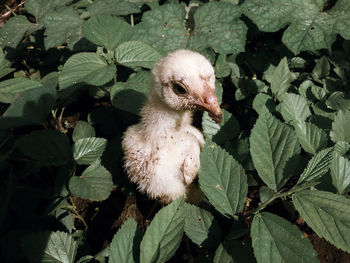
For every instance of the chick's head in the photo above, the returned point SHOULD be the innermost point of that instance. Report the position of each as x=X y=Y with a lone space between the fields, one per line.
x=185 y=80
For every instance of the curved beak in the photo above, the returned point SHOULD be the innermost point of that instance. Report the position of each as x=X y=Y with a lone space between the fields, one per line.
x=209 y=103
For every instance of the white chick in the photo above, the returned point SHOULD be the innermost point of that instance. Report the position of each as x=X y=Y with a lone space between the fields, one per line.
x=162 y=151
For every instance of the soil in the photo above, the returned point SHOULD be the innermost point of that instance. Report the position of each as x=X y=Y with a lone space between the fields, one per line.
x=327 y=253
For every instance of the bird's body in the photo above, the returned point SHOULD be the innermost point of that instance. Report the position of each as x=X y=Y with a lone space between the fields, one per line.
x=162 y=151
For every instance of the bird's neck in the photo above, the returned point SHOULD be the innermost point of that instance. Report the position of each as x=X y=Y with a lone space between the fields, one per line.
x=159 y=119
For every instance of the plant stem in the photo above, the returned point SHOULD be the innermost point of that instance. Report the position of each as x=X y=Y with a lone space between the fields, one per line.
x=283 y=194
x=76 y=213
x=12 y=12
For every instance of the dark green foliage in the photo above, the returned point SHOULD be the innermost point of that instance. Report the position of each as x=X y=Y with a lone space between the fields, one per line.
x=73 y=77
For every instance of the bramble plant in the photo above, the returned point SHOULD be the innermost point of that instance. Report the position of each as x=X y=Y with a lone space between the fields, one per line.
x=275 y=171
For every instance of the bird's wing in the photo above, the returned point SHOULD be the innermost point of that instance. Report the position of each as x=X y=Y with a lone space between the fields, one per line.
x=191 y=163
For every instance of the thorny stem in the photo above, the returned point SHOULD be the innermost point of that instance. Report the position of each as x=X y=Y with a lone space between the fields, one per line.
x=76 y=213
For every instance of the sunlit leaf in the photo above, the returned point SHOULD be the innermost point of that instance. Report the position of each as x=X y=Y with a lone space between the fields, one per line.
x=112 y=7
x=62 y=27
x=40 y=8
x=87 y=68
x=327 y=214
x=311 y=138
x=317 y=166
x=309 y=27
x=136 y=54
x=95 y=183
x=201 y=227
x=226 y=130
x=83 y=130
x=217 y=25
x=164 y=234
x=222 y=179
x=163 y=28
x=340 y=171
x=107 y=31
x=277 y=240
x=272 y=144
x=279 y=78
x=294 y=108
x=14 y=29
x=87 y=150
x=11 y=87
x=341 y=127
x=125 y=244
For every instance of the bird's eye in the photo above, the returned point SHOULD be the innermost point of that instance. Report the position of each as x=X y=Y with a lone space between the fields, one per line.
x=178 y=89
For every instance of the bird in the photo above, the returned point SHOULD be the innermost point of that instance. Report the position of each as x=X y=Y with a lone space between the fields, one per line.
x=162 y=151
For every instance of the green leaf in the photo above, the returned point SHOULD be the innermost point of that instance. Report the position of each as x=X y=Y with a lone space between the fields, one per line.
x=29 y=106
x=164 y=234
x=341 y=127
x=340 y=172
x=112 y=7
x=277 y=240
x=311 y=138
x=341 y=147
x=298 y=62
x=337 y=101
x=83 y=130
x=14 y=29
x=40 y=8
x=222 y=179
x=265 y=193
x=87 y=68
x=107 y=31
x=261 y=101
x=50 y=247
x=95 y=183
x=248 y=87
x=294 y=108
x=280 y=78
x=222 y=68
x=125 y=244
x=163 y=28
x=11 y=87
x=272 y=145
x=327 y=214
x=234 y=251
x=131 y=95
x=217 y=25
x=317 y=166
x=201 y=227
x=86 y=259
x=49 y=147
x=220 y=132
x=4 y=64
x=88 y=150
x=321 y=69
x=340 y=13
x=62 y=26
x=310 y=28
x=136 y=54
